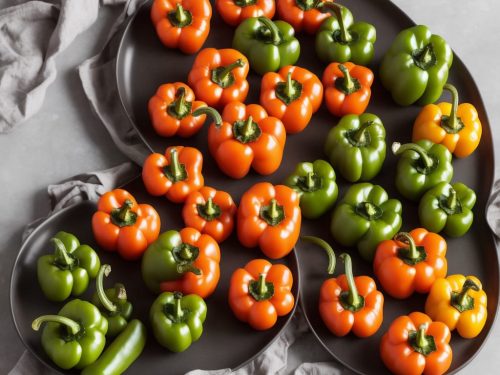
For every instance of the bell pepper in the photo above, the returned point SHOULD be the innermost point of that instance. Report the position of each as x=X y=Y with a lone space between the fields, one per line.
x=457 y=127
x=75 y=337
x=182 y=24
x=185 y=261
x=177 y=320
x=340 y=39
x=219 y=76
x=260 y=292
x=268 y=45
x=269 y=217
x=365 y=217
x=415 y=345
x=460 y=303
x=173 y=110
x=356 y=147
x=248 y=138
x=316 y=186
x=303 y=15
x=422 y=165
x=347 y=88
x=447 y=208
x=121 y=224
x=415 y=68
x=410 y=263
x=210 y=211
x=68 y=270
x=112 y=303
x=293 y=94
x=175 y=174
x=234 y=12
x=122 y=352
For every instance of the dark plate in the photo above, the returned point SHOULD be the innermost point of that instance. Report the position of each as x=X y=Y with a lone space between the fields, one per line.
x=143 y=64
x=225 y=343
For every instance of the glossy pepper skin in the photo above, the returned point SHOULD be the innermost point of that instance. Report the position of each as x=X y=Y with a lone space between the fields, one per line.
x=182 y=24
x=122 y=352
x=75 y=337
x=210 y=211
x=340 y=39
x=121 y=224
x=260 y=292
x=269 y=45
x=219 y=76
x=457 y=127
x=234 y=12
x=175 y=174
x=293 y=95
x=269 y=217
x=460 y=303
x=356 y=147
x=351 y=304
x=411 y=262
x=415 y=68
x=421 y=166
x=365 y=217
x=447 y=208
x=112 y=303
x=177 y=320
x=415 y=345
x=247 y=139
x=68 y=270
x=303 y=15
x=185 y=261
x=316 y=186
x=347 y=88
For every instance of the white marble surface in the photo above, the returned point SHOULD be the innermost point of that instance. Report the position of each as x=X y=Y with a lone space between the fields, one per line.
x=65 y=139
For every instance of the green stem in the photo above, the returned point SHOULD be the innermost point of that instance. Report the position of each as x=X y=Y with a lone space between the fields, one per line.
x=175 y=166
x=347 y=82
x=247 y=130
x=398 y=149
x=105 y=301
x=224 y=73
x=73 y=326
x=462 y=298
x=180 y=14
x=451 y=201
x=209 y=207
x=453 y=121
x=310 y=180
x=262 y=287
x=177 y=306
x=273 y=30
x=325 y=246
x=353 y=297
x=61 y=255
x=370 y=209
x=412 y=248
x=180 y=100
x=330 y=7
x=273 y=211
x=306 y=5
x=289 y=87
x=209 y=111
x=244 y=3
x=360 y=135
x=421 y=340
x=186 y=253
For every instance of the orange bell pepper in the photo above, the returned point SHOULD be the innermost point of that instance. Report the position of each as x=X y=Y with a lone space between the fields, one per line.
x=414 y=345
x=292 y=94
x=210 y=211
x=219 y=76
x=455 y=126
x=204 y=282
x=302 y=14
x=269 y=217
x=410 y=263
x=347 y=88
x=247 y=138
x=121 y=224
x=182 y=24
x=175 y=174
x=261 y=292
x=234 y=12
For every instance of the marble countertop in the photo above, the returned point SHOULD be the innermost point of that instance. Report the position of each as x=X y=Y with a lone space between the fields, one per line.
x=65 y=138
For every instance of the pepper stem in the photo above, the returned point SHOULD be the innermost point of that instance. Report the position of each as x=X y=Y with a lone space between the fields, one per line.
x=421 y=340
x=180 y=14
x=347 y=82
x=209 y=111
x=310 y=180
x=273 y=30
x=398 y=149
x=180 y=100
x=462 y=298
x=370 y=209
x=209 y=207
x=61 y=254
x=453 y=121
x=124 y=212
x=360 y=135
x=412 y=248
x=177 y=306
x=336 y=9
x=73 y=326
x=224 y=73
x=451 y=201
x=247 y=130
x=273 y=210
x=325 y=246
x=289 y=89
x=175 y=165
x=105 y=301
x=353 y=297
x=262 y=287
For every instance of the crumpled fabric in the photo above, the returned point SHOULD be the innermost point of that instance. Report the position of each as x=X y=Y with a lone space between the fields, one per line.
x=493 y=210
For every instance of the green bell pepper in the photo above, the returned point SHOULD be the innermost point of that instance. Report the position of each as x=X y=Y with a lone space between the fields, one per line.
x=356 y=147
x=177 y=320
x=112 y=303
x=365 y=217
x=415 y=68
x=68 y=270
x=340 y=39
x=75 y=337
x=268 y=45
x=122 y=352
x=315 y=183
x=422 y=166
x=447 y=208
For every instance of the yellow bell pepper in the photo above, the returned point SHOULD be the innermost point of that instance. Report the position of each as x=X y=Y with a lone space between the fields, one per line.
x=459 y=302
